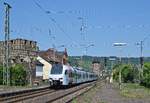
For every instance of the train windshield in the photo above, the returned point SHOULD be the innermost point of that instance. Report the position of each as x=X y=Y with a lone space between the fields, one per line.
x=57 y=69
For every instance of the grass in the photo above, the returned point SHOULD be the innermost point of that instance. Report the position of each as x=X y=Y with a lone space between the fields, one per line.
x=131 y=90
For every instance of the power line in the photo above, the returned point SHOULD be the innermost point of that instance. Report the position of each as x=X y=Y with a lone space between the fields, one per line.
x=146 y=37
x=141 y=43
x=54 y=21
x=52 y=37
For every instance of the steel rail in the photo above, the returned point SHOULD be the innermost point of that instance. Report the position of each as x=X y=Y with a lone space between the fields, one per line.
x=19 y=94
x=31 y=96
x=69 y=92
x=71 y=99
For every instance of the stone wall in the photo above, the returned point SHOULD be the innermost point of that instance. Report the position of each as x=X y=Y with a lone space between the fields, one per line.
x=20 y=49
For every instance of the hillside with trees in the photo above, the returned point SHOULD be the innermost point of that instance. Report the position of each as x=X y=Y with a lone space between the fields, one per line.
x=86 y=61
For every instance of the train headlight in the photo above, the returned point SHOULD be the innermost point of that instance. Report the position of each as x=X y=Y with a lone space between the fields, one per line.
x=50 y=79
x=60 y=79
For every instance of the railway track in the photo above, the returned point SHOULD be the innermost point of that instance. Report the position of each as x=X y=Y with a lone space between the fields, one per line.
x=47 y=95
x=71 y=94
x=14 y=97
x=68 y=95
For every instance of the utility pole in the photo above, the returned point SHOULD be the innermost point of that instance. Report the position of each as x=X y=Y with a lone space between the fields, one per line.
x=112 y=59
x=52 y=38
x=105 y=62
x=141 y=43
x=6 y=71
x=30 y=68
x=141 y=56
x=120 y=75
x=83 y=36
x=120 y=45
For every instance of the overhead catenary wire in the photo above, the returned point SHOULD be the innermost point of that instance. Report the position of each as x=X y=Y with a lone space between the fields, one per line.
x=54 y=21
x=146 y=37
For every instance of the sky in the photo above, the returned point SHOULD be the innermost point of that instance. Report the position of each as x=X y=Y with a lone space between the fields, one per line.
x=104 y=22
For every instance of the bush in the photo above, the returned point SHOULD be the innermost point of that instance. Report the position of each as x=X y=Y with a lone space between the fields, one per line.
x=18 y=75
x=116 y=72
x=146 y=75
x=127 y=73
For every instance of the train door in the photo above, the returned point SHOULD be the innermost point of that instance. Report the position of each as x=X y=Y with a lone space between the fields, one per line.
x=75 y=76
x=66 y=77
x=70 y=72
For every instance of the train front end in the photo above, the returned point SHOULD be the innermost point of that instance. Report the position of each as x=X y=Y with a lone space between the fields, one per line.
x=56 y=75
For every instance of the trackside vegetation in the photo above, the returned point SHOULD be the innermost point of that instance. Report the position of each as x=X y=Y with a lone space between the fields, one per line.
x=127 y=73
x=146 y=75
x=131 y=74
x=18 y=75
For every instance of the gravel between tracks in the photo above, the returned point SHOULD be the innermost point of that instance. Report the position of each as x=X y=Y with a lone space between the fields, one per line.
x=107 y=93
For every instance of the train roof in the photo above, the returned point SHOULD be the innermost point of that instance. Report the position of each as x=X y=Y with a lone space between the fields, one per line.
x=80 y=69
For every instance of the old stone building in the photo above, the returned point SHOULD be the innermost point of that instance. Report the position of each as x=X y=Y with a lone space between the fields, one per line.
x=26 y=52
x=21 y=50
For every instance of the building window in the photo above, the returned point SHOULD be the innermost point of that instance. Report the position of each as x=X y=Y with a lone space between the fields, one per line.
x=39 y=71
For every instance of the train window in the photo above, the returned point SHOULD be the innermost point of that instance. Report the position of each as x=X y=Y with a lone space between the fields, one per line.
x=83 y=76
x=79 y=75
x=87 y=75
x=57 y=69
x=75 y=74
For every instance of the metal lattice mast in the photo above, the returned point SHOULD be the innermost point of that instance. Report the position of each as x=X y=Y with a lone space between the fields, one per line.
x=6 y=45
x=52 y=37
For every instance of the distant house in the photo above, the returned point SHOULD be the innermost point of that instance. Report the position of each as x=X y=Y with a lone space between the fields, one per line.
x=97 y=68
x=39 y=69
x=46 y=67
x=38 y=72
x=50 y=56
x=53 y=55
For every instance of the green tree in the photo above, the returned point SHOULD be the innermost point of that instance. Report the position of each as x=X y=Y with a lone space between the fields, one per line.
x=116 y=72
x=18 y=75
x=146 y=75
x=127 y=73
